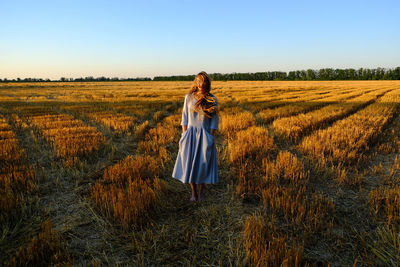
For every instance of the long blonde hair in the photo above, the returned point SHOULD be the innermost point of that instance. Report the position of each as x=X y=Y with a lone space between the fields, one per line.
x=206 y=104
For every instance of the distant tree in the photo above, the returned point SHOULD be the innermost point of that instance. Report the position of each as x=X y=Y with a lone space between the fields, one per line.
x=368 y=75
x=311 y=75
x=396 y=74
x=291 y=76
x=351 y=74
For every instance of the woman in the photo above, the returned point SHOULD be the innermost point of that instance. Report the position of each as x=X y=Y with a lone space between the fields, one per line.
x=196 y=162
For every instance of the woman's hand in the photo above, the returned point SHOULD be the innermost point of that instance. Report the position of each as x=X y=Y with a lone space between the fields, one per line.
x=213 y=132
x=184 y=128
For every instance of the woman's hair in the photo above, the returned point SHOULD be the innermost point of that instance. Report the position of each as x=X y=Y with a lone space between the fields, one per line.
x=206 y=103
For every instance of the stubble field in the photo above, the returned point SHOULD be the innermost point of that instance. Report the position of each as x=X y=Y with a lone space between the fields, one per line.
x=309 y=175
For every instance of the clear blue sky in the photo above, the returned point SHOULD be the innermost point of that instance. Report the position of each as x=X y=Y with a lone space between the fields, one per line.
x=53 y=39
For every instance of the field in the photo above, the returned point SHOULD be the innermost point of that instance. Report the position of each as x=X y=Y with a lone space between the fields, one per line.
x=309 y=175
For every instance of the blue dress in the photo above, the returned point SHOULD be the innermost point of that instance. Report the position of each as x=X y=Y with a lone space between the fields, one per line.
x=197 y=157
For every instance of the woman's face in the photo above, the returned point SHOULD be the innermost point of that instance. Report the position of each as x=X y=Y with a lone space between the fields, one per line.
x=202 y=84
x=201 y=90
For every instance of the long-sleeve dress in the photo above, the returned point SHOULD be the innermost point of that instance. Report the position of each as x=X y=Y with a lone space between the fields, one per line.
x=197 y=157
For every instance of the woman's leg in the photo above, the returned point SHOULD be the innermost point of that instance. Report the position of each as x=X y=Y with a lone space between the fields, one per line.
x=200 y=190
x=194 y=192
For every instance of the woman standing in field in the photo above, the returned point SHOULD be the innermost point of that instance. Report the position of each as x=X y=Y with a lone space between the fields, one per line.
x=196 y=162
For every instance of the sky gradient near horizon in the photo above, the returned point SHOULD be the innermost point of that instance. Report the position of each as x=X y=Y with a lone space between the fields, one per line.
x=53 y=39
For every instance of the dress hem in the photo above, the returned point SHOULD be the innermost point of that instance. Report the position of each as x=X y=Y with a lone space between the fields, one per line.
x=195 y=183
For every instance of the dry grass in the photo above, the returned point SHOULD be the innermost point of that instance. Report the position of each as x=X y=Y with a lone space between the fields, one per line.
x=230 y=123
x=347 y=140
x=17 y=178
x=70 y=137
x=296 y=126
x=116 y=122
x=283 y=191
x=274 y=204
x=386 y=202
x=45 y=249
x=156 y=141
x=251 y=144
x=130 y=191
x=265 y=247
x=386 y=246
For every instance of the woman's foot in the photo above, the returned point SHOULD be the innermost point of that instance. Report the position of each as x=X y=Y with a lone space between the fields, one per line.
x=194 y=193
x=201 y=198
x=200 y=193
x=192 y=199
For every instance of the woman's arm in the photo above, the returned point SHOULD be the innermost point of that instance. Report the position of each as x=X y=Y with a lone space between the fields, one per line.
x=184 y=120
x=214 y=121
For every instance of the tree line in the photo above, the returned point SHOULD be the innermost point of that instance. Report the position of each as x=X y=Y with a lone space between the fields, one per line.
x=326 y=74
x=81 y=79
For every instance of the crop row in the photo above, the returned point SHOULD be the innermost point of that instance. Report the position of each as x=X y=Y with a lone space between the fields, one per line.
x=304 y=104
x=263 y=104
x=71 y=138
x=296 y=126
x=130 y=190
x=270 y=100
x=115 y=121
x=346 y=141
x=16 y=176
x=266 y=100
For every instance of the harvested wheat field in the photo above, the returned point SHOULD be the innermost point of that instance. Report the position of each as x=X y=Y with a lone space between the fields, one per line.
x=309 y=175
